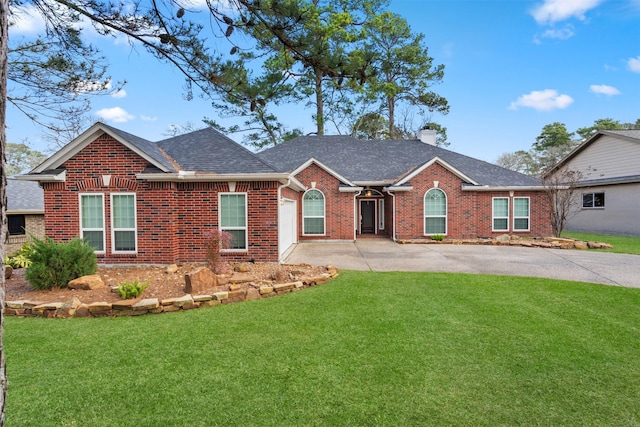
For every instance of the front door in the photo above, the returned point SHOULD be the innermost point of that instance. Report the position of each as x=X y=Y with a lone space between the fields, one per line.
x=367 y=216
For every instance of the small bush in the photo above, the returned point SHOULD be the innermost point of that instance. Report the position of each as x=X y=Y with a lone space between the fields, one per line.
x=217 y=240
x=22 y=258
x=55 y=264
x=438 y=237
x=132 y=290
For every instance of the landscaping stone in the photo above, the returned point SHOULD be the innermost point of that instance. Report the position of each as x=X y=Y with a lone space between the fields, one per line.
x=15 y=304
x=146 y=304
x=581 y=245
x=98 y=307
x=200 y=280
x=221 y=296
x=124 y=305
x=68 y=309
x=241 y=278
x=172 y=269
x=252 y=294
x=8 y=271
x=242 y=268
x=92 y=281
x=266 y=290
x=202 y=297
x=183 y=301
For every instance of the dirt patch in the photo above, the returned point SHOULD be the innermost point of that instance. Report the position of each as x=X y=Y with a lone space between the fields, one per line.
x=161 y=284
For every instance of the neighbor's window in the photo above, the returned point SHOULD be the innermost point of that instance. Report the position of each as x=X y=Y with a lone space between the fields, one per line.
x=233 y=219
x=313 y=212
x=123 y=222
x=520 y=214
x=16 y=225
x=593 y=200
x=500 y=214
x=92 y=220
x=435 y=212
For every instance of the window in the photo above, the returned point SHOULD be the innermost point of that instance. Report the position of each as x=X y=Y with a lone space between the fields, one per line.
x=92 y=220
x=593 y=200
x=313 y=212
x=520 y=214
x=16 y=225
x=435 y=212
x=123 y=223
x=500 y=214
x=381 y=214
x=233 y=219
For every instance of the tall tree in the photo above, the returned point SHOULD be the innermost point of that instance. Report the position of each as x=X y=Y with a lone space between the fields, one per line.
x=21 y=158
x=4 y=51
x=605 y=124
x=403 y=70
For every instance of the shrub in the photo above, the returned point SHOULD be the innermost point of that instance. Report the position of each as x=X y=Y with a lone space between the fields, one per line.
x=132 y=290
x=22 y=258
x=216 y=241
x=55 y=264
x=438 y=237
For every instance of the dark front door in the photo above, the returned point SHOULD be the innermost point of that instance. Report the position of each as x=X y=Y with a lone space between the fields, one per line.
x=368 y=216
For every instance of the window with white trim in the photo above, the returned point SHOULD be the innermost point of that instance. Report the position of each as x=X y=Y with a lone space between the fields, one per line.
x=124 y=234
x=313 y=209
x=435 y=212
x=233 y=219
x=500 y=214
x=520 y=214
x=92 y=220
x=593 y=200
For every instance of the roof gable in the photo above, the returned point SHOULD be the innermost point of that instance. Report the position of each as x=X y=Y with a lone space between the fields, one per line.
x=145 y=149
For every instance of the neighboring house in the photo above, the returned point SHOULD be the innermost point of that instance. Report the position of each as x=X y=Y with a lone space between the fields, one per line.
x=609 y=190
x=138 y=201
x=25 y=213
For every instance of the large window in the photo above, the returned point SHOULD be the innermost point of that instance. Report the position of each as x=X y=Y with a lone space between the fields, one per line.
x=313 y=212
x=123 y=223
x=17 y=225
x=92 y=220
x=593 y=200
x=500 y=214
x=233 y=219
x=520 y=214
x=435 y=212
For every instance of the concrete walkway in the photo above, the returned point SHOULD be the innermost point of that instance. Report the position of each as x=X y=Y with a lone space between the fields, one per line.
x=385 y=255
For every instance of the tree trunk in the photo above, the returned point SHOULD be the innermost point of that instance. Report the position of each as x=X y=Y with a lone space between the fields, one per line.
x=4 y=52
x=319 y=103
x=391 y=106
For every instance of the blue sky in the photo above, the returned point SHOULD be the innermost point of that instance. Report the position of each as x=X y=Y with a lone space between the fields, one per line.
x=511 y=67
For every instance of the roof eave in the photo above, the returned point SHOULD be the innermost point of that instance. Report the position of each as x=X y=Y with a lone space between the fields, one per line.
x=503 y=188
x=187 y=176
x=49 y=177
x=25 y=211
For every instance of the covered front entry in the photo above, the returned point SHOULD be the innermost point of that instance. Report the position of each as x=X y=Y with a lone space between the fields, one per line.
x=371 y=213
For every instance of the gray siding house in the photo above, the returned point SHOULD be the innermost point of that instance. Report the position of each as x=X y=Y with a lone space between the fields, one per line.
x=609 y=192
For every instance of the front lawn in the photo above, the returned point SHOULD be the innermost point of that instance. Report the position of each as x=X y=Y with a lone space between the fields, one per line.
x=366 y=349
x=621 y=244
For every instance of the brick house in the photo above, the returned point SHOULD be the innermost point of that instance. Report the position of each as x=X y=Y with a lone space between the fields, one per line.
x=138 y=201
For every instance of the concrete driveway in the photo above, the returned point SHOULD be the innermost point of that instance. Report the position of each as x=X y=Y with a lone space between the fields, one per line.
x=386 y=255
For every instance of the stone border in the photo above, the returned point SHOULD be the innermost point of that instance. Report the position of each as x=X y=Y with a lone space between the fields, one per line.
x=137 y=307
x=508 y=240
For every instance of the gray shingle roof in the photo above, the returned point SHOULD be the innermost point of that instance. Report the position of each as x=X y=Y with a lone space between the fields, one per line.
x=24 y=196
x=208 y=150
x=384 y=160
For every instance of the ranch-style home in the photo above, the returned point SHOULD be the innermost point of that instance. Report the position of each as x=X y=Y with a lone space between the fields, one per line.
x=608 y=196
x=137 y=201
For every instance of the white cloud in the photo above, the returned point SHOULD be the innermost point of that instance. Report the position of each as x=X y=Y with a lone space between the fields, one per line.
x=551 y=11
x=604 y=89
x=88 y=87
x=119 y=94
x=115 y=114
x=26 y=20
x=562 y=33
x=634 y=64
x=543 y=100
x=148 y=118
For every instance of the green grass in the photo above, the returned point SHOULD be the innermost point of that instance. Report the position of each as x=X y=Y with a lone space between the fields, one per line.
x=386 y=349
x=621 y=244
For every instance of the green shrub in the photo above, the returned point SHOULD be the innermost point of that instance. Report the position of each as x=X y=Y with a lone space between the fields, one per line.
x=55 y=264
x=132 y=290
x=22 y=258
x=438 y=237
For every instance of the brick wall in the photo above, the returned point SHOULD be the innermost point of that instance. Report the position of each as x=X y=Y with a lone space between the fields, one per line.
x=171 y=217
x=339 y=214
x=34 y=226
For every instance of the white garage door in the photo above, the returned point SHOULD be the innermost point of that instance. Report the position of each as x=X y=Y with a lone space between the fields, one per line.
x=287 y=229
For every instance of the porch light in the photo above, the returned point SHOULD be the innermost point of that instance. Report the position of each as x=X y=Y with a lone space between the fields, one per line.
x=368 y=192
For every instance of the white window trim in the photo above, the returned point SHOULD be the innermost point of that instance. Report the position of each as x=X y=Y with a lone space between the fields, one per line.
x=135 y=220
x=381 y=214
x=246 y=220
x=446 y=213
x=494 y=217
x=82 y=230
x=324 y=214
x=593 y=198
x=528 y=217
